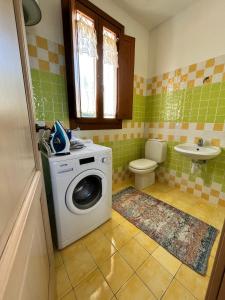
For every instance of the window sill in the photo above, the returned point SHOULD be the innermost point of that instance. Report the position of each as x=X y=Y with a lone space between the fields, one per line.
x=94 y=124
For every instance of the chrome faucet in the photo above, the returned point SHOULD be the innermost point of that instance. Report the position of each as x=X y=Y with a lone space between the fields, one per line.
x=200 y=142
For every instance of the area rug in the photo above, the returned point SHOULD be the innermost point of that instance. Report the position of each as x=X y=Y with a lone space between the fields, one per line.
x=184 y=236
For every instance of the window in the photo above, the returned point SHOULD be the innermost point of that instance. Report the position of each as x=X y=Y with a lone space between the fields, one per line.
x=100 y=65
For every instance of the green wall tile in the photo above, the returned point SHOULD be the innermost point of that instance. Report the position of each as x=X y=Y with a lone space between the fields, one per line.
x=50 y=96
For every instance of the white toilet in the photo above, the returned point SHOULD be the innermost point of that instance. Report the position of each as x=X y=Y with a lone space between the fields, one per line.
x=144 y=168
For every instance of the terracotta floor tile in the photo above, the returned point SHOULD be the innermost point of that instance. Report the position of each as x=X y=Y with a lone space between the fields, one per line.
x=149 y=244
x=93 y=287
x=117 y=217
x=101 y=249
x=155 y=276
x=154 y=273
x=92 y=237
x=195 y=283
x=58 y=259
x=80 y=266
x=119 y=236
x=116 y=271
x=109 y=225
x=63 y=285
x=134 y=289
x=168 y=261
x=177 y=291
x=72 y=252
x=210 y=265
x=132 y=229
x=134 y=253
x=69 y=296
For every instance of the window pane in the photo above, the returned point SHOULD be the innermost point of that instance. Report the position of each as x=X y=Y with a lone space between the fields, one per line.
x=110 y=65
x=86 y=67
x=87 y=70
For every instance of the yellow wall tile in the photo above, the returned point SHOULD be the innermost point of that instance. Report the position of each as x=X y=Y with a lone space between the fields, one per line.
x=184 y=125
x=183 y=139
x=43 y=65
x=106 y=138
x=219 y=69
x=184 y=77
x=53 y=57
x=200 y=126
x=165 y=76
x=192 y=67
x=171 y=125
x=215 y=142
x=62 y=70
x=96 y=139
x=32 y=50
x=200 y=73
x=214 y=193
x=191 y=83
x=42 y=42
x=170 y=137
x=61 y=49
x=218 y=126
x=210 y=63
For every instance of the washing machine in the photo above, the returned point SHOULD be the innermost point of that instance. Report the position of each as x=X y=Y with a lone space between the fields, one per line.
x=81 y=185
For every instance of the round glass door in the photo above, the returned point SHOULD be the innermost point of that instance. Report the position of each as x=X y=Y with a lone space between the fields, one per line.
x=87 y=192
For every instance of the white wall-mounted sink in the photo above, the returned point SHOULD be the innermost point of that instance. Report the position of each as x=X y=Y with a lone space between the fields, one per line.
x=195 y=152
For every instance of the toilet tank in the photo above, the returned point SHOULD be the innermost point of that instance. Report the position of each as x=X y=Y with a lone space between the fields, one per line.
x=156 y=150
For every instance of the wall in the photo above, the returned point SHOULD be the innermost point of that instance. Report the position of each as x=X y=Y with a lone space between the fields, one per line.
x=194 y=35
x=46 y=52
x=185 y=50
x=173 y=105
x=132 y=28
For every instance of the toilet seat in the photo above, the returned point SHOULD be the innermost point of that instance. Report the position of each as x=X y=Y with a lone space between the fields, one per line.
x=142 y=164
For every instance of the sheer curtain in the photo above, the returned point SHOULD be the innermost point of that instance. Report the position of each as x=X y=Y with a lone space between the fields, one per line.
x=110 y=65
x=86 y=64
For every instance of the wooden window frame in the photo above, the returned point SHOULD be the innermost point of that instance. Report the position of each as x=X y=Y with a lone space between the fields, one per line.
x=101 y=19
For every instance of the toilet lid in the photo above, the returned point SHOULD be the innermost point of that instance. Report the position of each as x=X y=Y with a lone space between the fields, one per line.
x=142 y=164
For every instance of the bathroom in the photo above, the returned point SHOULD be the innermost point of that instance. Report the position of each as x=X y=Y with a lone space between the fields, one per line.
x=147 y=122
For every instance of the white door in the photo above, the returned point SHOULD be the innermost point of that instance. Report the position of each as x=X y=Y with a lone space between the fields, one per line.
x=24 y=252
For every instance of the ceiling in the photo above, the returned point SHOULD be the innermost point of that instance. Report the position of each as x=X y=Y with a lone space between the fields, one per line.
x=151 y=13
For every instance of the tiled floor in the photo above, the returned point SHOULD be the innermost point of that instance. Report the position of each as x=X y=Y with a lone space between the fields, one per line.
x=118 y=261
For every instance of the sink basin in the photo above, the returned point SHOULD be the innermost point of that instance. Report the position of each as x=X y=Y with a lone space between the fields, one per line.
x=193 y=151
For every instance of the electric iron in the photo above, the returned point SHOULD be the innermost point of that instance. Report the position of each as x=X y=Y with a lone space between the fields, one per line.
x=59 y=140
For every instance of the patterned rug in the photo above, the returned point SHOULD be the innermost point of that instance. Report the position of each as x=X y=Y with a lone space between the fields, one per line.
x=184 y=236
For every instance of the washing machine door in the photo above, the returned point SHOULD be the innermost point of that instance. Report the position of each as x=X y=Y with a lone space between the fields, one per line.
x=86 y=191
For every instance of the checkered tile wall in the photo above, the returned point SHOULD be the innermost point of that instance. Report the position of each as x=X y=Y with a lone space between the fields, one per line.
x=181 y=108
x=48 y=77
x=175 y=106
x=188 y=77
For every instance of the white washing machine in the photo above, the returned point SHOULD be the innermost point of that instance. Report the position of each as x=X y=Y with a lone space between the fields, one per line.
x=82 y=191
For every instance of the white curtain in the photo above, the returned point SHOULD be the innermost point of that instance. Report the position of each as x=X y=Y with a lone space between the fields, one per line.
x=110 y=53
x=86 y=66
x=110 y=65
x=87 y=39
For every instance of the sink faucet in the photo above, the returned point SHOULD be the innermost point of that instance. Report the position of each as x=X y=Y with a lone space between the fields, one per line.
x=200 y=142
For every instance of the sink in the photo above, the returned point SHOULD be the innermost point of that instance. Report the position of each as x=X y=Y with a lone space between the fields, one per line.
x=193 y=151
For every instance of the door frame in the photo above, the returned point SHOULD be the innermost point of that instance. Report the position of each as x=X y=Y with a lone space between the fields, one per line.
x=216 y=287
x=36 y=181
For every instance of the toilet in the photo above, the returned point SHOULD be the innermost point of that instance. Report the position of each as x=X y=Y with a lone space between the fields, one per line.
x=144 y=168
